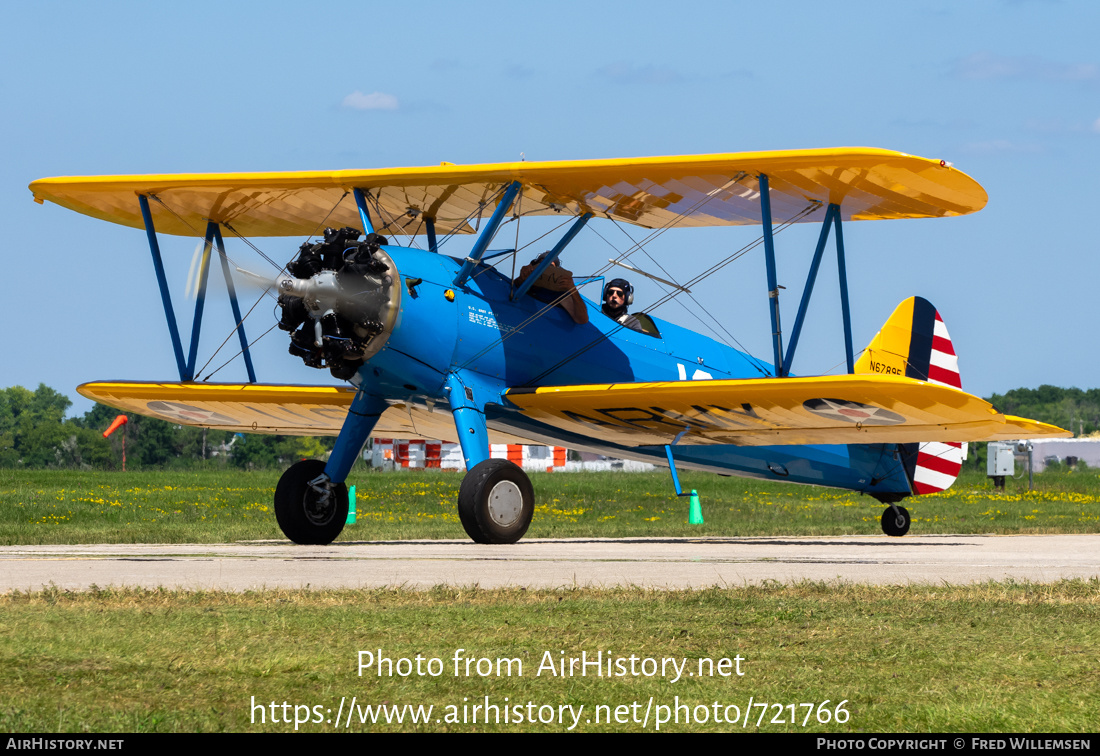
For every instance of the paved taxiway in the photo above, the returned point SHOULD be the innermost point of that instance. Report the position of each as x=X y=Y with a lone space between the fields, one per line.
x=553 y=563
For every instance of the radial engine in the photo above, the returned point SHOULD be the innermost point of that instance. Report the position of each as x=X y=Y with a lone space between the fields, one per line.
x=340 y=300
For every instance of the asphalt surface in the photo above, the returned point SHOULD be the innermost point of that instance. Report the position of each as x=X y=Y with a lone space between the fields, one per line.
x=661 y=563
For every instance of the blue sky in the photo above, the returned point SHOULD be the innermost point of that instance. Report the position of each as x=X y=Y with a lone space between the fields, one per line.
x=1007 y=91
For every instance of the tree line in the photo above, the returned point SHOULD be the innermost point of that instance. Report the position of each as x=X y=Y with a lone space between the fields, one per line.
x=34 y=433
x=1073 y=409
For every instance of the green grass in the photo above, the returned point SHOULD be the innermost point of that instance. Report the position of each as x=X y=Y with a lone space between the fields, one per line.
x=983 y=658
x=40 y=507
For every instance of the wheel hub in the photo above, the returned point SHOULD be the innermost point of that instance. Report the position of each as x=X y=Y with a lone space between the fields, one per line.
x=505 y=503
x=319 y=508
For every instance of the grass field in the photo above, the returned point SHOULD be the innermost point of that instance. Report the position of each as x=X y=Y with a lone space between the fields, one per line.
x=984 y=658
x=39 y=507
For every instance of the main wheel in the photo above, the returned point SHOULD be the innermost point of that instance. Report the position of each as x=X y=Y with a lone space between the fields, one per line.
x=304 y=514
x=895 y=523
x=496 y=502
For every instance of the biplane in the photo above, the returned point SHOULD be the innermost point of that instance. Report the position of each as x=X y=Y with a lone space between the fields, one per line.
x=425 y=344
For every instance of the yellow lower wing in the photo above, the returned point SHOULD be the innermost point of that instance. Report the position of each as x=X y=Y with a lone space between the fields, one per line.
x=268 y=409
x=847 y=409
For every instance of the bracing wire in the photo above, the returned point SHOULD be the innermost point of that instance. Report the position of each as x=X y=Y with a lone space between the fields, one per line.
x=753 y=361
x=238 y=354
x=668 y=297
x=652 y=235
x=689 y=294
x=480 y=209
x=266 y=291
x=227 y=338
x=673 y=294
x=486 y=266
x=228 y=259
x=383 y=214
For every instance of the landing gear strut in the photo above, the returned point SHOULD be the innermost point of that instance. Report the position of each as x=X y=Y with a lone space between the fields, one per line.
x=309 y=507
x=895 y=521
x=496 y=502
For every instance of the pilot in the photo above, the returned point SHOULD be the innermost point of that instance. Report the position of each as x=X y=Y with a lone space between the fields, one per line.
x=618 y=294
x=550 y=285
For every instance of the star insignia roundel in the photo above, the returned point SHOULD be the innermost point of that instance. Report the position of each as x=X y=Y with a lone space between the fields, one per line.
x=852 y=412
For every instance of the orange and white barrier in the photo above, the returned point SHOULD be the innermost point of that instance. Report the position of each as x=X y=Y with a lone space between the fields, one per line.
x=530 y=457
x=414 y=453
x=420 y=453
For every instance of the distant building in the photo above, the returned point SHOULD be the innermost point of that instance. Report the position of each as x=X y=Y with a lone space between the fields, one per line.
x=1086 y=450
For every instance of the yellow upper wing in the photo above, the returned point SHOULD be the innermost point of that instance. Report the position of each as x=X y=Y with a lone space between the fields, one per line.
x=846 y=409
x=695 y=190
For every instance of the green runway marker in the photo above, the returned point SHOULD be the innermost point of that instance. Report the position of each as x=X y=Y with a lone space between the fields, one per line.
x=695 y=514
x=351 y=506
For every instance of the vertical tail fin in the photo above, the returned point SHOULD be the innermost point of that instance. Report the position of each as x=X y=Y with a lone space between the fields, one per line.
x=914 y=342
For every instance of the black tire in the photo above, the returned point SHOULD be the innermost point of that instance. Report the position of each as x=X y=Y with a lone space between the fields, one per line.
x=298 y=510
x=496 y=502
x=897 y=524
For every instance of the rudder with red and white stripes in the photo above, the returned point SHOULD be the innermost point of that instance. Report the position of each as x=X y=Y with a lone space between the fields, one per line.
x=938 y=464
x=914 y=342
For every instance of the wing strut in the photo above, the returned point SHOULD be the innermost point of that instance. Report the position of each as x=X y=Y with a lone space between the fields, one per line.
x=832 y=218
x=364 y=216
x=672 y=463
x=233 y=302
x=808 y=289
x=549 y=259
x=213 y=236
x=773 y=285
x=200 y=299
x=844 y=293
x=162 y=281
x=429 y=227
x=487 y=234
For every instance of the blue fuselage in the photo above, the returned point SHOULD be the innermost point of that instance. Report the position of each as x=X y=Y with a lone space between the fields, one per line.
x=497 y=344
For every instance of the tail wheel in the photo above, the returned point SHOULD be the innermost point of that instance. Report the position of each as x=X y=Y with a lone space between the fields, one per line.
x=896 y=523
x=496 y=502
x=309 y=512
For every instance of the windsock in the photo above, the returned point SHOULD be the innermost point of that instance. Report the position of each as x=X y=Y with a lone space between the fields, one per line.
x=120 y=421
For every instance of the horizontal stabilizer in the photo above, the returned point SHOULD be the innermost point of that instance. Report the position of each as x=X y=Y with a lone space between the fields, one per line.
x=845 y=409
